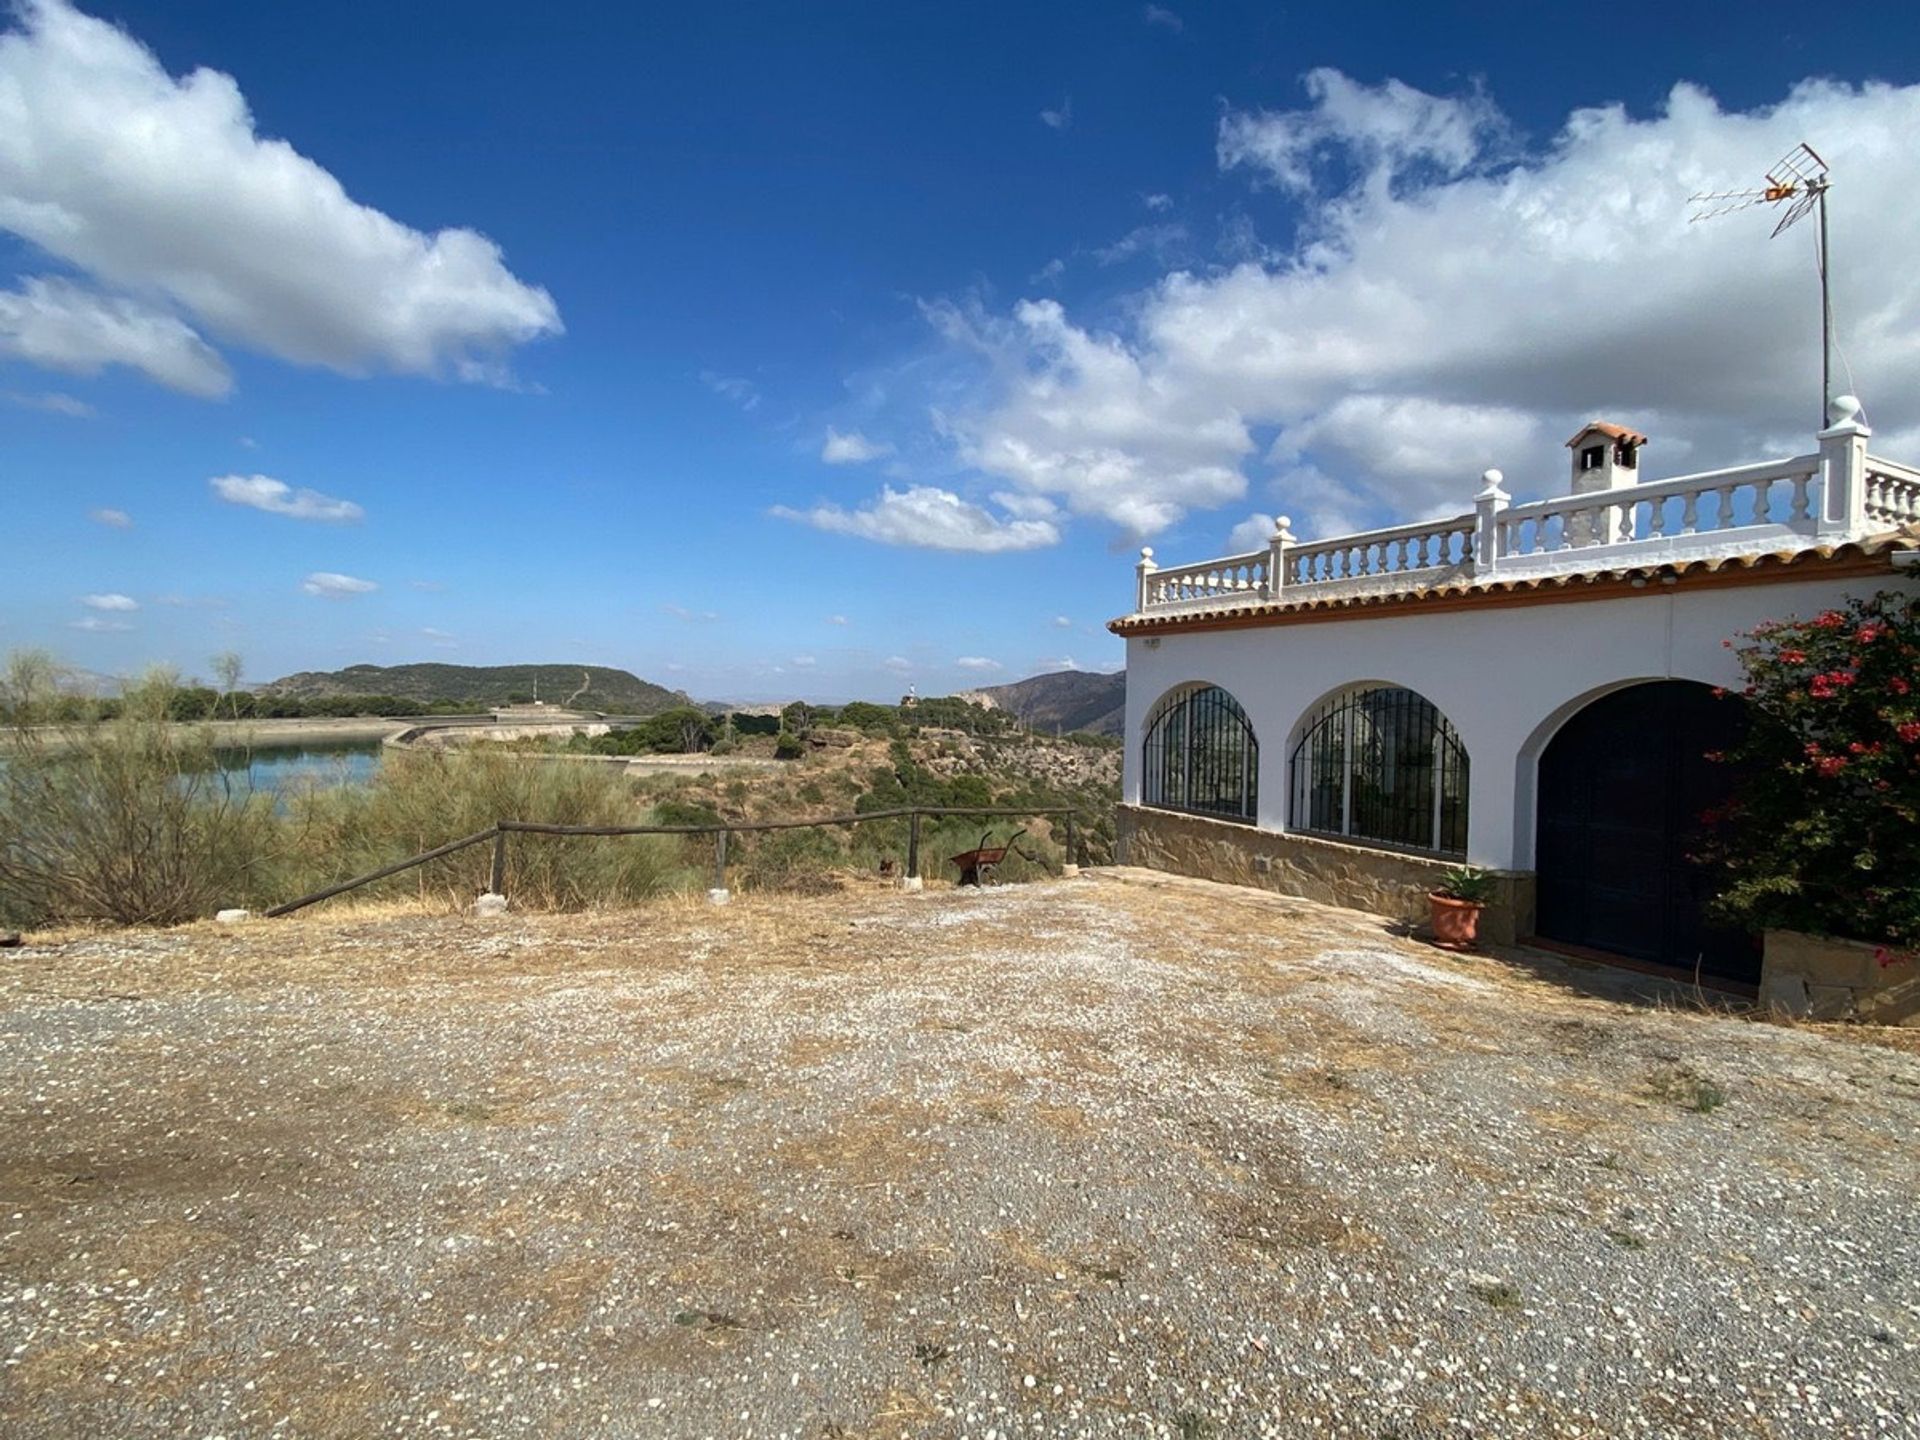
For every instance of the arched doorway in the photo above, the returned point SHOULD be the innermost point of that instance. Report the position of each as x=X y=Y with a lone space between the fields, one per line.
x=1622 y=787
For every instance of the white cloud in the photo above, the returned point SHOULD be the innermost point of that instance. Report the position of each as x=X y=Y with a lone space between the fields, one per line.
x=899 y=664
x=1158 y=241
x=330 y=585
x=1060 y=117
x=1391 y=131
x=276 y=497
x=430 y=586
x=1157 y=202
x=803 y=662
x=1078 y=418
x=109 y=602
x=111 y=518
x=1252 y=533
x=1064 y=662
x=433 y=634
x=731 y=387
x=1049 y=272
x=99 y=625
x=838 y=620
x=977 y=662
x=1163 y=17
x=928 y=517
x=1451 y=302
x=851 y=448
x=161 y=188
x=54 y=402
x=681 y=612
x=59 y=325
x=1063 y=622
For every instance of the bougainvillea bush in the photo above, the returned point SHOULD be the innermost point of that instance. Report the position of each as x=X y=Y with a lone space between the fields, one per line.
x=1823 y=833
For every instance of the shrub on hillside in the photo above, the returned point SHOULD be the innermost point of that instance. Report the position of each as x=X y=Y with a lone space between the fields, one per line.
x=1823 y=833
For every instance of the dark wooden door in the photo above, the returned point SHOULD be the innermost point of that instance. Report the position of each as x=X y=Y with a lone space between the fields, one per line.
x=1622 y=787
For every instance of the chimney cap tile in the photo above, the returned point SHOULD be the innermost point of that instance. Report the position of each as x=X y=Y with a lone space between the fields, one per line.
x=1608 y=429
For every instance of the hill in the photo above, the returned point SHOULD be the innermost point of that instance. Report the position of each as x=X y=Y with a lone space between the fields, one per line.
x=592 y=687
x=1064 y=700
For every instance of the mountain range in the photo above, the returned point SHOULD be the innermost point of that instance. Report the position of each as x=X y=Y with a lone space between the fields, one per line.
x=1063 y=700
x=589 y=687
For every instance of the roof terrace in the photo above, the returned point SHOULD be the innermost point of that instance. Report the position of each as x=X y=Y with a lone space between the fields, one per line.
x=1612 y=522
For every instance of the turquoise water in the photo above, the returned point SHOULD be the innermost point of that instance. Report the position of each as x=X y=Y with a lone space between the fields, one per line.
x=291 y=767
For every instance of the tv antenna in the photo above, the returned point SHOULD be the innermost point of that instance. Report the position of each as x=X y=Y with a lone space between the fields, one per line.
x=1800 y=183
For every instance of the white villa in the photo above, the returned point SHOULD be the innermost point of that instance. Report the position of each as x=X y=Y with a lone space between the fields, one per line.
x=1524 y=687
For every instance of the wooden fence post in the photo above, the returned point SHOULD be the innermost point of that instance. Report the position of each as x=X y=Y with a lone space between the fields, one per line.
x=1071 y=865
x=912 y=880
x=497 y=876
x=719 y=894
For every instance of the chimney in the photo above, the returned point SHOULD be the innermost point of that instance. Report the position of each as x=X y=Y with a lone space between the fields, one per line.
x=1605 y=457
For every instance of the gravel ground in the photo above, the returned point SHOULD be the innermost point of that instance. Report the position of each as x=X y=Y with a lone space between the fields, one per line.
x=1123 y=1155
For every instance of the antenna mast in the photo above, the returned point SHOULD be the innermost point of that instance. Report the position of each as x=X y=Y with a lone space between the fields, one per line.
x=1801 y=181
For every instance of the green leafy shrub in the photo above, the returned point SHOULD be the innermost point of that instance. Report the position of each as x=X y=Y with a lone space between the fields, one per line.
x=1823 y=832
x=788 y=746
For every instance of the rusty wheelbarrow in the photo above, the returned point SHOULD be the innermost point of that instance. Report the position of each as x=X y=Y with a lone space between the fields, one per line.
x=978 y=864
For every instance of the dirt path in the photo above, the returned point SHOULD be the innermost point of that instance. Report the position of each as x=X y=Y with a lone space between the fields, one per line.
x=1085 y=1158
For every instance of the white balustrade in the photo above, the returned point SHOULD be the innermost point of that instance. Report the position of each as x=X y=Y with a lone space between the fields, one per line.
x=1722 y=511
x=1230 y=578
x=1836 y=494
x=1893 y=494
x=1426 y=549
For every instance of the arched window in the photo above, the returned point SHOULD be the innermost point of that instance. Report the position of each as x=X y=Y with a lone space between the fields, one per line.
x=1200 y=755
x=1381 y=764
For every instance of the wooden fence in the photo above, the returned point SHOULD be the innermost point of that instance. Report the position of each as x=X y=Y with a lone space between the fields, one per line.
x=498 y=833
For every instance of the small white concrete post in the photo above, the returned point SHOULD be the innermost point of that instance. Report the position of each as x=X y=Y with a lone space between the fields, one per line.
x=1487 y=506
x=1146 y=569
x=1277 y=556
x=1843 y=472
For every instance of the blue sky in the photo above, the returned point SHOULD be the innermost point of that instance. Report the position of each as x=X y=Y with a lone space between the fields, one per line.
x=775 y=350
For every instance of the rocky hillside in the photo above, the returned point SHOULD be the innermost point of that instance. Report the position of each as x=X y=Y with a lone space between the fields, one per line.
x=590 y=687
x=1063 y=701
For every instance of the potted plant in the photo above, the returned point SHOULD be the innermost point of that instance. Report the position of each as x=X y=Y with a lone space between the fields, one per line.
x=1456 y=904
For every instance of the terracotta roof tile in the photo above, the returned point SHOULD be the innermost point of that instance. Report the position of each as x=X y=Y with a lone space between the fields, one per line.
x=1608 y=429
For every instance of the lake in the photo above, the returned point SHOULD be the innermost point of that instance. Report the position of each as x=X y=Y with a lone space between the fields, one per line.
x=292 y=766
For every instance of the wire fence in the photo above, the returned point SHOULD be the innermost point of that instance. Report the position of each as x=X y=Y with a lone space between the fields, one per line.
x=500 y=831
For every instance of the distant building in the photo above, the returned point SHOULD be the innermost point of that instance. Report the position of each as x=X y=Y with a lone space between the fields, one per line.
x=1526 y=687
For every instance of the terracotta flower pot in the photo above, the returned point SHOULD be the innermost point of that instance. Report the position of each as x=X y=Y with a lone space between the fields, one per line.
x=1455 y=922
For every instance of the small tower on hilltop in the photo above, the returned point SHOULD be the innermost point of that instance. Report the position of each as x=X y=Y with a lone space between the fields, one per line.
x=1605 y=457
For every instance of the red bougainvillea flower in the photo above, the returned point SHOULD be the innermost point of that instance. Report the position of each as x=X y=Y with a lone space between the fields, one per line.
x=1909 y=732
x=1828 y=620
x=1867 y=634
x=1793 y=657
x=1830 y=765
x=1898 y=685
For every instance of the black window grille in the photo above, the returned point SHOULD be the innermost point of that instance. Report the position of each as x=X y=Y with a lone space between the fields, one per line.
x=1382 y=764
x=1201 y=755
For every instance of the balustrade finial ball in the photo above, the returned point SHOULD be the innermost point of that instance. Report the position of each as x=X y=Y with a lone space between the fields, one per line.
x=1843 y=410
x=1146 y=554
x=1490 y=486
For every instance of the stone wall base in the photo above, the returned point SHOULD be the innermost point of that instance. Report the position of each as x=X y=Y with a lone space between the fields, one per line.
x=1823 y=979
x=1356 y=876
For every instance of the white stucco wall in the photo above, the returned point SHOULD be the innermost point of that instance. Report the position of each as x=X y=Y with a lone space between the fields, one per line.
x=1506 y=677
